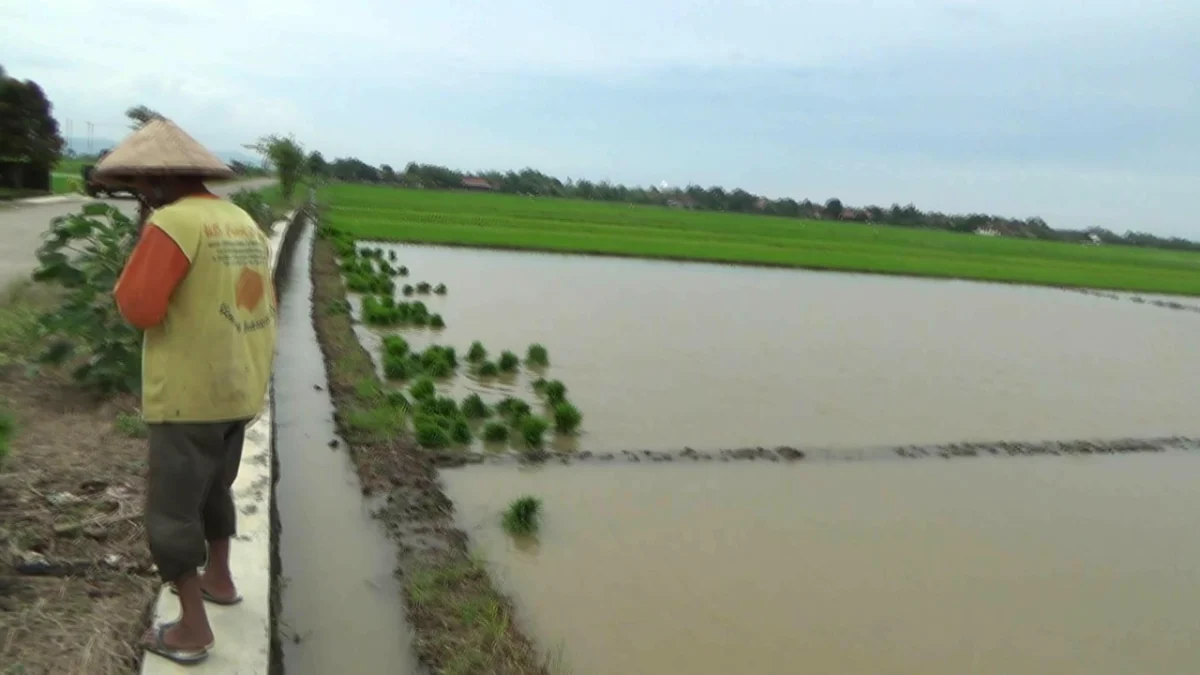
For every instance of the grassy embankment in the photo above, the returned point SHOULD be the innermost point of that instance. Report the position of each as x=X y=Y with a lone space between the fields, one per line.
x=506 y=221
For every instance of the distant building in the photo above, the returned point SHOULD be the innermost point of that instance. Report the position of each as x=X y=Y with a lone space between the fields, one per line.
x=1094 y=239
x=987 y=232
x=476 y=183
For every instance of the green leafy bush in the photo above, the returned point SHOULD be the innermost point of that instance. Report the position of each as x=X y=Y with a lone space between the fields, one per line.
x=395 y=345
x=474 y=407
x=460 y=431
x=508 y=362
x=495 y=432
x=533 y=430
x=477 y=352
x=488 y=369
x=84 y=254
x=422 y=389
x=567 y=418
x=537 y=356
x=523 y=516
x=556 y=392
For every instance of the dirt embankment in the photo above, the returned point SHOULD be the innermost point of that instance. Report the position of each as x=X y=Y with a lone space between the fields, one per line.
x=461 y=622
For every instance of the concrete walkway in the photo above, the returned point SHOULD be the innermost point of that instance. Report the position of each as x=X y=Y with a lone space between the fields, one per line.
x=23 y=222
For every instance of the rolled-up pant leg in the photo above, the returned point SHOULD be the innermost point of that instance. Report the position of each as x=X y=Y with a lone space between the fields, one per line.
x=188 y=496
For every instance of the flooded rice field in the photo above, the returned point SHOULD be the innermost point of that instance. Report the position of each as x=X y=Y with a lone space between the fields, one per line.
x=340 y=603
x=1078 y=566
x=664 y=355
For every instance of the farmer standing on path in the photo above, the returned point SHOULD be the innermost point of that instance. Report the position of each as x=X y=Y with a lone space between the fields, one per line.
x=199 y=284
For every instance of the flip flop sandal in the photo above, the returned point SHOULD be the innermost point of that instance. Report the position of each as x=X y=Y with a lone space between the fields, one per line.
x=224 y=602
x=184 y=657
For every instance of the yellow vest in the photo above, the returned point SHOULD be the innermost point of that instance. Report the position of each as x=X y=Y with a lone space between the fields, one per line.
x=210 y=359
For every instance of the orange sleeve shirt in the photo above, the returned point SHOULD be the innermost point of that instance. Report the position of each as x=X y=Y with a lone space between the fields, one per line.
x=153 y=272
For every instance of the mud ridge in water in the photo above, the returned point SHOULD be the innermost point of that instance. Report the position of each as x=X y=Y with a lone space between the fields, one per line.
x=1165 y=304
x=461 y=622
x=792 y=454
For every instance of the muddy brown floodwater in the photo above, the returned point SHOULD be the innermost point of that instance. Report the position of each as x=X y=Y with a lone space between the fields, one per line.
x=341 y=607
x=1076 y=566
x=664 y=355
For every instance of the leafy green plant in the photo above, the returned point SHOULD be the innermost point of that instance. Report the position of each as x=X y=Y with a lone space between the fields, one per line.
x=84 y=253
x=508 y=362
x=555 y=392
x=474 y=407
x=432 y=432
x=477 y=352
x=132 y=425
x=440 y=289
x=395 y=345
x=488 y=369
x=422 y=389
x=567 y=418
x=533 y=430
x=436 y=321
x=255 y=204
x=537 y=356
x=495 y=432
x=523 y=516
x=460 y=431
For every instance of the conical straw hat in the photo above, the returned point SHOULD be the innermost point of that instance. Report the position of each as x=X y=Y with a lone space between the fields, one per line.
x=160 y=148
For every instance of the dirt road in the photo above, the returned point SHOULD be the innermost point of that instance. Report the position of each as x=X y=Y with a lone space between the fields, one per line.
x=22 y=225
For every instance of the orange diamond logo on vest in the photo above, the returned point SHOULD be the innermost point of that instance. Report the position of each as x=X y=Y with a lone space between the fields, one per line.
x=249 y=290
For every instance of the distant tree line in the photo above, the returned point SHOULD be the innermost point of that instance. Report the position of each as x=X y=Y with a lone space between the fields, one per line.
x=535 y=183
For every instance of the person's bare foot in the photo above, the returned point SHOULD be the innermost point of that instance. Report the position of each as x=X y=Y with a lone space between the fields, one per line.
x=218 y=586
x=180 y=637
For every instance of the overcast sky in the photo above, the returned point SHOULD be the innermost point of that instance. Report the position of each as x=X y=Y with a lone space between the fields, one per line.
x=1086 y=113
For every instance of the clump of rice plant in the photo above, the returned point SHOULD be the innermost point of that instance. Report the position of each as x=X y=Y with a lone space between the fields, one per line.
x=385 y=268
x=474 y=407
x=396 y=367
x=438 y=367
x=403 y=271
x=422 y=389
x=407 y=290
x=523 y=516
x=396 y=399
x=441 y=405
x=440 y=289
x=555 y=392
x=432 y=432
x=439 y=358
x=537 y=356
x=395 y=345
x=436 y=321
x=419 y=319
x=533 y=430
x=513 y=409
x=477 y=352
x=495 y=432
x=508 y=362
x=488 y=369
x=460 y=431
x=392 y=256
x=566 y=418
x=423 y=287
x=539 y=385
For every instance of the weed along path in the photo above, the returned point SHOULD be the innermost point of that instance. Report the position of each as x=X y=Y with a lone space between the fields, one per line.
x=341 y=608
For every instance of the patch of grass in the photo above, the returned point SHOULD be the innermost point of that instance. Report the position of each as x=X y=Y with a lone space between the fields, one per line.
x=376 y=422
x=131 y=425
x=533 y=431
x=567 y=418
x=422 y=389
x=555 y=392
x=474 y=407
x=523 y=516
x=508 y=362
x=537 y=356
x=495 y=432
x=488 y=369
x=494 y=220
x=477 y=352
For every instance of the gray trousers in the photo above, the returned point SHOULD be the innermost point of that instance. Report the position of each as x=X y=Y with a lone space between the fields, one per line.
x=189 y=497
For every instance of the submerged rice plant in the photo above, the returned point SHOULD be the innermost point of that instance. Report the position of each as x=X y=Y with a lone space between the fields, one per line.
x=396 y=399
x=513 y=409
x=423 y=287
x=392 y=256
x=460 y=431
x=396 y=367
x=495 y=432
x=395 y=345
x=523 y=516
x=555 y=391
x=567 y=418
x=488 y=369
x=539 y=385
x=533 y=430
x=432 y=432
x=508 y=362
x=477 y=352
x=440 y=289
x=403 y=271
x=537 y=356
x=423 y=388
x=436 y=321
x=474 y=407
x=407 y=290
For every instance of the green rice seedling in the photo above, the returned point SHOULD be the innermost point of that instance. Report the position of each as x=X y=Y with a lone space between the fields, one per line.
x=555 y=391
x=385 y=268
x=423 y=287
x=477 y=352
x=418 y=319
x=460 y=431
x=436 y=321
x=438 y=367
x=440 y=289
x=474 y=407
x=537 y=356
x=392 y=256
x=407 y=290
x=508 y=362
x=495 y=432
x=395 y=345
x=422 y=389
x=396 y=367
x=432 y=432
x=513 y=409
x=523 y=516
x=539 y=385
x=403 y=271
x=396 y=399
x=566 y=418
x=488 y=369
x=445 y=406
x=388 y=301
x=360 y=283
x=418 y=307
x=533 y=430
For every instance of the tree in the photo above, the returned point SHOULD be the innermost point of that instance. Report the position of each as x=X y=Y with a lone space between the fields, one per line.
x=834 y=208
x=28 y=130
x=287 y=156
x=317 y=166
x=140 y=115
x=386 y=173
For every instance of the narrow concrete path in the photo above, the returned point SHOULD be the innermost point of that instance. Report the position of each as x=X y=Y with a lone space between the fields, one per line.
x=22 y=224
